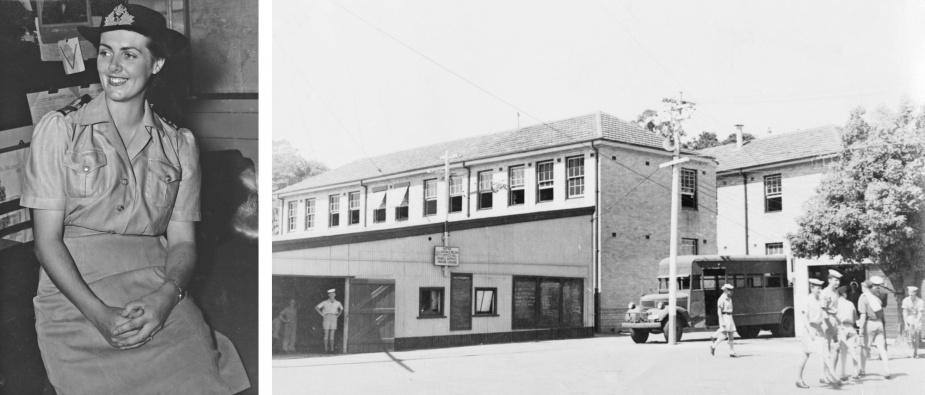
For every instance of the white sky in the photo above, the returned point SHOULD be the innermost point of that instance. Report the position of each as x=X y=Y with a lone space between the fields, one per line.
x=343 y=90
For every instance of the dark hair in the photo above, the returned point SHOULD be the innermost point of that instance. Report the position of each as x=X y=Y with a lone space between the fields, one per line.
x=158 y=48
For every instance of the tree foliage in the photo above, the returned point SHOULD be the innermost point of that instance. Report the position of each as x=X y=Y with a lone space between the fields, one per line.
x=870 y=204
x=731 y=139
x=289 y=167
x=704 y=140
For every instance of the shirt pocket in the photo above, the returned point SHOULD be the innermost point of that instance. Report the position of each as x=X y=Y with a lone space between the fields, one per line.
x=163 y=182
x=85 y=177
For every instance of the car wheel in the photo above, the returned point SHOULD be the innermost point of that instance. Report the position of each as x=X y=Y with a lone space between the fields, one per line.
x=639 y=335
x=786 y=327
x=749 y=332
x=678 y=326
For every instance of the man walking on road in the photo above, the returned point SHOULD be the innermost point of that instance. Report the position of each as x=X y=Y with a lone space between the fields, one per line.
x=913 y=308
x=727 y=326
x=814 y=320
x=828 y=298
x=847 y=334
x=871 y=324
x=330 y=309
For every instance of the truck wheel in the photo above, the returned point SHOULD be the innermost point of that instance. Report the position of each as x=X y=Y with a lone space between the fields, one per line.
x=786 y=327
x=678 y=331
x=639 y=335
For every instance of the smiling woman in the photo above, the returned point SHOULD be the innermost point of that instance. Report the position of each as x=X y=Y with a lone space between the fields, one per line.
x=115 y=191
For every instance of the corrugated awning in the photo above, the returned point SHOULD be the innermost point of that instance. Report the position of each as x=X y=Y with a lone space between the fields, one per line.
x=398 y=197
x=378 y=197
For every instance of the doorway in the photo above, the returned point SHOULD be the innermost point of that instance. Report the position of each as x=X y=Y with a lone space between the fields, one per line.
x=307 y=292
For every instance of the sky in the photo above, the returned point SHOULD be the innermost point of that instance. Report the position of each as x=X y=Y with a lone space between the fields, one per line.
x=362 y=78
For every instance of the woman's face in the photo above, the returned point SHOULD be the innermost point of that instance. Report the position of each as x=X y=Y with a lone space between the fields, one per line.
x=125 y=65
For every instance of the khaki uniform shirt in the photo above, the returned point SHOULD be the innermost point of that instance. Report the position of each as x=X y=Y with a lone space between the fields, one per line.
x=79 y=164
x=329 y=307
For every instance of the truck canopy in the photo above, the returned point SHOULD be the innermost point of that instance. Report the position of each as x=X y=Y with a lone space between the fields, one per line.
x=685 y=262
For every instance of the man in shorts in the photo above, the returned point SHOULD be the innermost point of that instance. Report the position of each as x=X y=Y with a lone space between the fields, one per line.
x=814 y=339
x=871 y=324
x=913 y=309
x=329 y=309
x=847 y=334
x=828 y=299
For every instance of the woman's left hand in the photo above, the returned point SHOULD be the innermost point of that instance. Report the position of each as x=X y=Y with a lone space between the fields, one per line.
x=154 y=308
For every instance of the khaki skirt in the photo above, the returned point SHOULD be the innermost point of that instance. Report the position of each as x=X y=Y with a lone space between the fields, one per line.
x=182 y=358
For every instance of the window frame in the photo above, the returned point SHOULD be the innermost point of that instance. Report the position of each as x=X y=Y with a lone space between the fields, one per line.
x=545 y=184
x=353 y=197
x=402 y=208
x=569 y=177
x=777 y=193
x=768 y=248
x=514 y=186
x=430 y=198
x=441 y=313
x=309 y=213
x=493 y=311
x=691 y=176
x=483 y=192
x=293 y=213
x=333 y=210
x=457 y=194
x=694 y=243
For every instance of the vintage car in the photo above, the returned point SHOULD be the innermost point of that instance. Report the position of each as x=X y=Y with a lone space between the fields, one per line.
x=763 y=298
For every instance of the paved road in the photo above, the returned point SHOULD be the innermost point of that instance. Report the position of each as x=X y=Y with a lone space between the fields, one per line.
x=602 y=365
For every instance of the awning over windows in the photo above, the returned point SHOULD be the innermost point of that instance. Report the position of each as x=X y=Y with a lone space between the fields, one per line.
x=377 y=201
x=398 y=196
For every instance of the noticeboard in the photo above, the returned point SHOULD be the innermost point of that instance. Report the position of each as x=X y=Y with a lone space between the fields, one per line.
x=524 y=301
x=460 y=302
x=446 y=256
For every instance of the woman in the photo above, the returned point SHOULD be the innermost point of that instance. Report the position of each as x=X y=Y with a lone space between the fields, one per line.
x=727 y=326
x=115 y=192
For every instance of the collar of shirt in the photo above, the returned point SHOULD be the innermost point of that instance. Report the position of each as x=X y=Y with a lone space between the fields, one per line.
x=96 y=112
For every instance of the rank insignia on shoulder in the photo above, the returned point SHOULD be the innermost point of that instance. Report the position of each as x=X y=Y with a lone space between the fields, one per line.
x=75 y=105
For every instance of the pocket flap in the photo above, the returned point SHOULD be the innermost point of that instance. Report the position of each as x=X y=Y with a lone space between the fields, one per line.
x=163 y=171
x=85 y=161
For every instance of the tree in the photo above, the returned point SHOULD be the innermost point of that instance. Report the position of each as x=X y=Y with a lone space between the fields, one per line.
x=289 y=167
x=703 y=141
x=645 y=116
x=870 y=205
x=731 y=139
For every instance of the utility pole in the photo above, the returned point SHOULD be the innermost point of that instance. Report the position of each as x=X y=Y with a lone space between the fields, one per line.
x=678 y=110
x=446 y=213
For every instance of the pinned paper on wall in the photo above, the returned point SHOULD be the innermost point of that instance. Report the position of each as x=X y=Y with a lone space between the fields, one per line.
x=40 y=103
x=73 y=58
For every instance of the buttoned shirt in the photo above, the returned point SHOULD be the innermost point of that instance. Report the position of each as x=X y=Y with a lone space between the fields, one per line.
x=913 y=307
x=828 y=299
x=847 y=315
x=813 y=310
x=724 y=304
x=79 y=164
x=329 y=307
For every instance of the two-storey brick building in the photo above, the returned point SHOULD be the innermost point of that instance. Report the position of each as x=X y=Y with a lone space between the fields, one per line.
x=542 y=216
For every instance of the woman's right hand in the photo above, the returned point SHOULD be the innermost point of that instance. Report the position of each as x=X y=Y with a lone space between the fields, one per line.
x=108 y=319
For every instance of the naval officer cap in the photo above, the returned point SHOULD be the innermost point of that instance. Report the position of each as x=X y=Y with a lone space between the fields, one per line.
x=913 y=289
x=728 y=286
x=815 y=281
x=330 y=291
x=834 y=273
x=876 y=280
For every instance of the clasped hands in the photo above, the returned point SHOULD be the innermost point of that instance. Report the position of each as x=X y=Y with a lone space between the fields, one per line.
x=136 y=324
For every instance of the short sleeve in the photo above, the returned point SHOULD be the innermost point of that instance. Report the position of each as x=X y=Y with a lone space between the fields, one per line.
x=186 y=207
x=862 y=305
x=44 y=174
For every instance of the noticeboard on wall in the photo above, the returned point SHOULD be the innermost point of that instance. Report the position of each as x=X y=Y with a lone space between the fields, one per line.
x=223 y=46
x=524 y=301
x=460 y=302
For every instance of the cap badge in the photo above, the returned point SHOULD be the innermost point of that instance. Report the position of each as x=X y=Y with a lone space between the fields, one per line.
x=119 y=16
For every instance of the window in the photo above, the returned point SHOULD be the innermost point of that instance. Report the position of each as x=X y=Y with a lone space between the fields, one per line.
x=354 y=199
x=695 y=282
x=309 y=213
x=773 y=248
x=516 y=185
x=688 y=246
x=772 y=280
x=456 y=194
x=576 y=177
x=547 y=302
x=293 y=206
x=773 y=201
x=485 y=191
x=544 y=182
x=379 y=215
x=431 y=302
x=689 y=188
x=430 y=197
x=485 y=303
x=334 y=210
x=755 y=281
x=401 y=212
x=738 y=281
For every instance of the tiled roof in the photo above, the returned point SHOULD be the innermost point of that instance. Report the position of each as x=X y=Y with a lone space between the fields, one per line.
x=823 y=140
x=568 y=131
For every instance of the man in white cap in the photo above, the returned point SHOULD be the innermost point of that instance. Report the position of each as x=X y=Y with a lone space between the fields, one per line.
x=330 y=309
x=847 y=335
x=727 y=326
x=828 y=299
x=814 y=324
x=871 y=324
x=913 y=308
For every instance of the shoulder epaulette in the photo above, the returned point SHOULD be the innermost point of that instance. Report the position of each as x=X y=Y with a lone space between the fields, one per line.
x=75 y=105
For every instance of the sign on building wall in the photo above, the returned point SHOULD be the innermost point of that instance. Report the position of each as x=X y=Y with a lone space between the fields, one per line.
x=446 y=256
